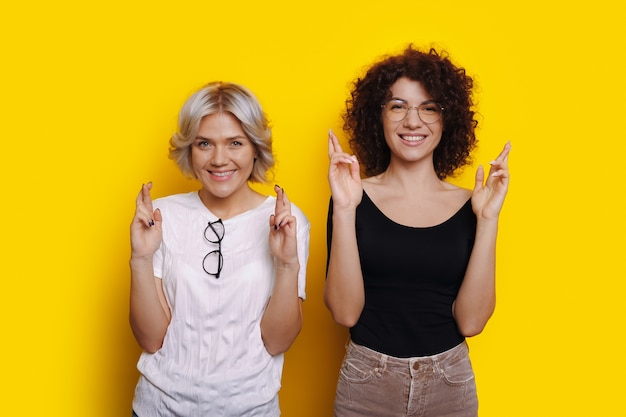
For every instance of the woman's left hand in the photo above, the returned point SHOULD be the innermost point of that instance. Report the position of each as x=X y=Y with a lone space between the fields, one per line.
x=488 y=197
x=283 y=237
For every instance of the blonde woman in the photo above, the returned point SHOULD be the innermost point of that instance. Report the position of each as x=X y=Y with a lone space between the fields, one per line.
x=217 y=275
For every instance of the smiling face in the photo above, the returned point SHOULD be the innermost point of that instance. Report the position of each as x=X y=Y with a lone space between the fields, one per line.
x=222 y=157
x=411 y=139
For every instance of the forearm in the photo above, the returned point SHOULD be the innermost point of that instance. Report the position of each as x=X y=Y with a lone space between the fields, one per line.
x=476 y=300
x=282 y=320
x=344 y=293
x=149 y=317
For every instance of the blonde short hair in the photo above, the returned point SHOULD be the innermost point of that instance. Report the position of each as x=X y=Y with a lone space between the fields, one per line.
x=218 y=97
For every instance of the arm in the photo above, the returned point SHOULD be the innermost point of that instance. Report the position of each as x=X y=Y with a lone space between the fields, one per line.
x=282 y=319
x=344 y=294
x=476 y=300
x=149 y=312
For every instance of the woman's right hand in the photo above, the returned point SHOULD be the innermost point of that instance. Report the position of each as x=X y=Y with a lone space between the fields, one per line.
x=343 y=176
x=145 y=229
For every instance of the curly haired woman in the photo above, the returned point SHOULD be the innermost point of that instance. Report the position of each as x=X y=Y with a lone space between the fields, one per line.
x=411 y=264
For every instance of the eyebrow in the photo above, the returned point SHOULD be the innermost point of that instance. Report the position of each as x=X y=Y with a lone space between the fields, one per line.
x=228 y=138
x=404 y=101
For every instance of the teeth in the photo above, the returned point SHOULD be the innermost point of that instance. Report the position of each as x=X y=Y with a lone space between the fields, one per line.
x=413 y=138
x=222 y=174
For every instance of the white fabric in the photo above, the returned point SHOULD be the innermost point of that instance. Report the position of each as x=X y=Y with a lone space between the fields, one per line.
x=213 y=361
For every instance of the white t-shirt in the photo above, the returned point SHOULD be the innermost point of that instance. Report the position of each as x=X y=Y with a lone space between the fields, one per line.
x=213 y=361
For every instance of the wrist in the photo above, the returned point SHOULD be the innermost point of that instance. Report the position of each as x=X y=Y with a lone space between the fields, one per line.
x=288 y=266
x=347 y=214
x=139 y=261
x=487 y=225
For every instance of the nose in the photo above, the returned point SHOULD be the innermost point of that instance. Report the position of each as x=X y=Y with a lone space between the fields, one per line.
x=412 y=119
x=219 y=156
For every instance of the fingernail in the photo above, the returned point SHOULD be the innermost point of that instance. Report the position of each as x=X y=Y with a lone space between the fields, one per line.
x=492 y=162
x=151 y=222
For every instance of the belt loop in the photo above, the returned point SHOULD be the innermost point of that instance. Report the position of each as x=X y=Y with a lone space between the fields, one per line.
x=436 y=368
x=382 y=365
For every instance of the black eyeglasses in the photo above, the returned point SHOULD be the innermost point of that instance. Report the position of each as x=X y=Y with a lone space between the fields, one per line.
x=214 y=233
x=397 y=110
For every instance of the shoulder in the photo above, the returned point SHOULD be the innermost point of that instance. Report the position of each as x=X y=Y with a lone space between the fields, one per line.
x=299 y=215
x=456 y=200
x=455 y=193
x=372 y=181
x=174 y=201
x=178 y=197
x=267 y=208
x=373 y=186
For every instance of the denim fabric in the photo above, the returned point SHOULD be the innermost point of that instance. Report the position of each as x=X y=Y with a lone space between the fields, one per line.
x=377 y=385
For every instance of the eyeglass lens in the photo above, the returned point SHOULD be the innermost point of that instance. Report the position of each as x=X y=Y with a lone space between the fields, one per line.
x=213 y=261
x=398 y=110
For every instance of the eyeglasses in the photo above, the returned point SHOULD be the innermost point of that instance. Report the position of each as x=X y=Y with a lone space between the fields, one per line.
x=398 y=110
x=214 y=233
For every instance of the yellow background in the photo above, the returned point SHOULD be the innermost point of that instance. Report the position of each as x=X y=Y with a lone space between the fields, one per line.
x=90 y=93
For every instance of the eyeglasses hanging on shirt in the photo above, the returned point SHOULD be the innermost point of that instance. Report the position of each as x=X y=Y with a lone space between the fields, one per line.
x=213 y=261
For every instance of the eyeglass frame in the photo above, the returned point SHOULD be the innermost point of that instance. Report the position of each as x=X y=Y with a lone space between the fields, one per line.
x=409 y=108
x=220 y=262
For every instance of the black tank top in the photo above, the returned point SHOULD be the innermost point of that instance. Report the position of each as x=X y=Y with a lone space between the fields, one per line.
x=411 y=276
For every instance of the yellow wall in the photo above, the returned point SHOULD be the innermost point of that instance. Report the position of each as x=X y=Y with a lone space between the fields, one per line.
x=90 y=92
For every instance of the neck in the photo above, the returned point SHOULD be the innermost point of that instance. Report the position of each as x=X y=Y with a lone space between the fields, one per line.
x=411 y=177
x=232 y=205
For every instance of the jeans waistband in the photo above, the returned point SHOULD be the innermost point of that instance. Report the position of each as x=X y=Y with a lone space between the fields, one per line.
x=423 y=363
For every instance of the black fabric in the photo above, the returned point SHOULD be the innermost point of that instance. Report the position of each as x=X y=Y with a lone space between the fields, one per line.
x=411 y=276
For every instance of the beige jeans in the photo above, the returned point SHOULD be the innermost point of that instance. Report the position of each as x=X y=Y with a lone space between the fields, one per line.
x=377 y=385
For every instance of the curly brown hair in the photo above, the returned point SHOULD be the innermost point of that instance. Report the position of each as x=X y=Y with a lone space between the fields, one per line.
x=447 y=83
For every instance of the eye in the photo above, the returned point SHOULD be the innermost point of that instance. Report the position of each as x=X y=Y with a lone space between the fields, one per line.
x=238 y=141
x=430 y=108
x=202 y=143
x=396 y=105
